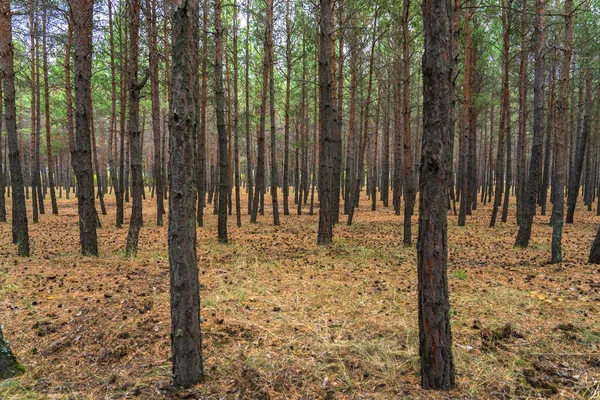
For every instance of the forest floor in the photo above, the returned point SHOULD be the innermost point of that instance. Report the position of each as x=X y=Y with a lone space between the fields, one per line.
x=286 y=319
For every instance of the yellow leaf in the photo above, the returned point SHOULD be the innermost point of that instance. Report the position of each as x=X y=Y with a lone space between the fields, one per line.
x=49 y=297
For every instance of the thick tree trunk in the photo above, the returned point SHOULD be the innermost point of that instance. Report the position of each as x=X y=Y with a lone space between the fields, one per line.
x=20 y=232
x=326 y=110
x=186 y=338
x=82 y=154
x=435 y=337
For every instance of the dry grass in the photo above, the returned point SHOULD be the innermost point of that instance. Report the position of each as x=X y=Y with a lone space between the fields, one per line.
x=285 y=319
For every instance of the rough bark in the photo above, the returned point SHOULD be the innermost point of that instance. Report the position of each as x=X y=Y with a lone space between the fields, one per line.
x=580 y=148
x=326 y=110
x=522 y=141
x=550 y=127
x=499 y=169
x=47 y=111
x=249 y=177
x=155 y=96
x=20 y=232
x=221 y=131
x=135 y=134
x=236 y=150
x=2 y=163
x=535 y=164
x=201 y=145
x=186 y=338
x=9 y=366
x=260 y=160
x=464 y=126
x=435 y=337
x=270 y=50
x=81 y=153
x=410 y=191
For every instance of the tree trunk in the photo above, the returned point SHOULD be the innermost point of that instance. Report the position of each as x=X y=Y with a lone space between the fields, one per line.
x=154 y=82
x=186 y=338
x=274 y=177
x=135 y=134
x=288 y=76
x=522 y=140
x=201 y=145
x=20 y=232
x=3 y=167
x=326 y=110
x=222 y=133
x=236 y=150
x=249 y=180
x=96 y=164
x=535 y=166
x=356 y=186
x=505 y=99
x=435 y=337
x=82 y=154
x=47 y=112
x=410 y=191
x=260 y=162
x=464 y=130
x=582 y=138
x=550 y=128
x=35 y=176
x=9 y=366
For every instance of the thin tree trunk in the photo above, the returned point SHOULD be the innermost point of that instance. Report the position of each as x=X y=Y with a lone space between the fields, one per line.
x=522 y=141
x=135 y=134
x=505 y=99
x=222 y=133
x=410 y=190
x=154 y=93
x=274 y=177
x=535 y=167
x=249 y=180
x=236 y=150
x=47 y=112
